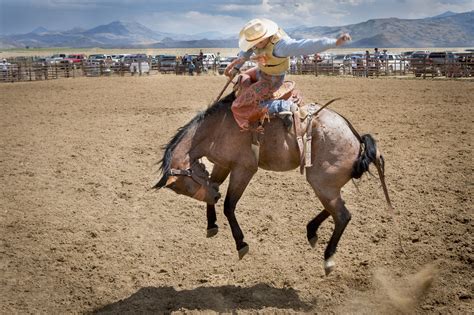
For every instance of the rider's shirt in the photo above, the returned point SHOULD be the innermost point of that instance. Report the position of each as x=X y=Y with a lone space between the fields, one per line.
x=277 y=51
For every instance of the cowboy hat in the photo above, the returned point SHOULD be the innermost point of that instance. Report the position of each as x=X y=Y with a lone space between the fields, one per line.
x=256 y=31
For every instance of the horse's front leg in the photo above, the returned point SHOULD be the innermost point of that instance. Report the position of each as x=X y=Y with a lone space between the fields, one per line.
x=239 y=179
x=218 y=176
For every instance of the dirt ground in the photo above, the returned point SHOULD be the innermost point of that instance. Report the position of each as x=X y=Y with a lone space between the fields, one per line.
x=81 y=232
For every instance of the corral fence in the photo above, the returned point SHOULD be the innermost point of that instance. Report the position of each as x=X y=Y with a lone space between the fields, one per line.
x=29 y=69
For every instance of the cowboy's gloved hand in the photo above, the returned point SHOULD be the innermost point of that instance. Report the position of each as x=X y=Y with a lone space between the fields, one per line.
x=343 y=39
x=234 y=72
x=230 y=71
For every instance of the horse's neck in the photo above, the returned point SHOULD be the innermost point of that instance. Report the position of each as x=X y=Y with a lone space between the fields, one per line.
x=192 y=146
x=181 y=156
x=203 y=139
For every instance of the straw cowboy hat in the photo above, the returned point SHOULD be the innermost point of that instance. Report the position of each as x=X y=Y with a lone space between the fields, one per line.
x=256 y=31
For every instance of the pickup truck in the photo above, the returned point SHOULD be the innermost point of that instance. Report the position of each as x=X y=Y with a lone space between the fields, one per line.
x=76 y=58
x=167 y=63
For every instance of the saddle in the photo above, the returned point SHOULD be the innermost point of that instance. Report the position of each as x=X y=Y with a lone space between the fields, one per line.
x=286 y=91
x=302 y=120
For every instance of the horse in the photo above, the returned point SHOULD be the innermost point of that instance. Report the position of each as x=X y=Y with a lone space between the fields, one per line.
x=338 y=155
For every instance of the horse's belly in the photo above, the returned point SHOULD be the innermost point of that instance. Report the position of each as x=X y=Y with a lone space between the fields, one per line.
x=278 y=149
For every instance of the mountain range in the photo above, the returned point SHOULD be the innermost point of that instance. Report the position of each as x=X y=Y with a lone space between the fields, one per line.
x=445 y=30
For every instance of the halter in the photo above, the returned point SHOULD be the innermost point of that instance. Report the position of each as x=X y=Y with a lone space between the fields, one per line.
x=197 y=175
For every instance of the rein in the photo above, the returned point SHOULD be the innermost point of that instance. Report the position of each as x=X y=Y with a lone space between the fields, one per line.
x=200 y=194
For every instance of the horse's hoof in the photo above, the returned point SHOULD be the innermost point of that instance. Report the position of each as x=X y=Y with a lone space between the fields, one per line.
x=329 y=265
x=212 y=232
x=243 y=251
x=312 y=241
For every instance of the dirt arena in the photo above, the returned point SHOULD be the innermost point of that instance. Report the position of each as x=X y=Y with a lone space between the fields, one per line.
x=80 y=231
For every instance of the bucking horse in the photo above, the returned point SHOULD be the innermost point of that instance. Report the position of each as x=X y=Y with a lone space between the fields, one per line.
x=338 y=154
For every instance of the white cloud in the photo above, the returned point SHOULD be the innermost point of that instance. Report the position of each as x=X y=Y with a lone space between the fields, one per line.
x=191 y=22
x=227 y=16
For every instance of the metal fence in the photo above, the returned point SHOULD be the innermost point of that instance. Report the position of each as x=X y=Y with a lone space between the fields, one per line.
x=23 y=69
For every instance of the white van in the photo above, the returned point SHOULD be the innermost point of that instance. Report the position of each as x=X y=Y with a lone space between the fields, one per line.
x=208 y=60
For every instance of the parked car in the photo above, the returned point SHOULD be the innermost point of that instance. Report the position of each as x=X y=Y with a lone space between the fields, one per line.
x=136 y=63
x=393 y=62
x=117 y=58
x=167 y=63
x=419 y=62
x=76 y=58
x=140 y=66
x=441 y=61
x=442 y=57
x=128 y=59
x=339 y=62
x=56 y=59
x=96 y=58
x=208 y=60
x=225 y=61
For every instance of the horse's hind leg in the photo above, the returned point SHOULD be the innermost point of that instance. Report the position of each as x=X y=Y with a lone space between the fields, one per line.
x=333 y=205
x=341 y=218
x=313 y=225
x=218 y=176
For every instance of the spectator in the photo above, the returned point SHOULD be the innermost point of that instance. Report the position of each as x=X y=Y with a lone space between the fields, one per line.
x=293 y=61
x=189 y=59
x=376 y=53
x=217 y=60
x=377 y=59
x=4 y=68
x=191 y=68
x=367 y=64
x=108 y=63
x=200 y=59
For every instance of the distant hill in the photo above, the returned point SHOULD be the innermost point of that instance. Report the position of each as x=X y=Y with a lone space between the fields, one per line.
x=445 y=14
x=452 y=30
x=445 y=30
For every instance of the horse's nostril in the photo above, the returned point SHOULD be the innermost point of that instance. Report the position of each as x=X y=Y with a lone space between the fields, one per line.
x=218 y=196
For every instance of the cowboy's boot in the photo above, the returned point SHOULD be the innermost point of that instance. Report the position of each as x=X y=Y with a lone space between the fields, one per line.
x=281 y=108
x=287 y=116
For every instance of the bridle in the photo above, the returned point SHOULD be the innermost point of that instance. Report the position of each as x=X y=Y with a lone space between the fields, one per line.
x=198 y=173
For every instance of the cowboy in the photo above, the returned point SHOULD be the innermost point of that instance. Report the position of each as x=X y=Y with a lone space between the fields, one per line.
x=264 y=42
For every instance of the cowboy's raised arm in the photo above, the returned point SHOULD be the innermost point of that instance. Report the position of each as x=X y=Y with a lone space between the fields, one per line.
x=287 y=46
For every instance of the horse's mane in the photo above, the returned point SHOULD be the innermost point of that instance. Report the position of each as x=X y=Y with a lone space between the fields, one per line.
x=165 y=162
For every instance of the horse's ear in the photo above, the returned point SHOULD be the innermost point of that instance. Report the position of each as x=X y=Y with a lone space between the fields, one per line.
x=165 y=181
x=171 y=180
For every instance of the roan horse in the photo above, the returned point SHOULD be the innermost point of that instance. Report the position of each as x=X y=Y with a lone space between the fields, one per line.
x=338 y=155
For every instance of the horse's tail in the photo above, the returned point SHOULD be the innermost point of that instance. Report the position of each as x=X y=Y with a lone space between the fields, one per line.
x=370 y=154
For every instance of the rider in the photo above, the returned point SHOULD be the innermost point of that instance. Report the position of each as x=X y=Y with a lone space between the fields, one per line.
x=264 y=42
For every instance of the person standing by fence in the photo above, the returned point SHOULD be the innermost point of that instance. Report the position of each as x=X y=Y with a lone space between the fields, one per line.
x=367 y=63
x=5 y=65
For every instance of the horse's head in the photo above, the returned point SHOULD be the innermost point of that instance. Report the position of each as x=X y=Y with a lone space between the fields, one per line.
x=192 y=181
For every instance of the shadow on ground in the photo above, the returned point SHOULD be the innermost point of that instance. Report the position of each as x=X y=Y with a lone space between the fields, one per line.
x=219 y=299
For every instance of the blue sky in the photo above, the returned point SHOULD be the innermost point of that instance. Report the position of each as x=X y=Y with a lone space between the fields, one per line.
x=195 y=16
